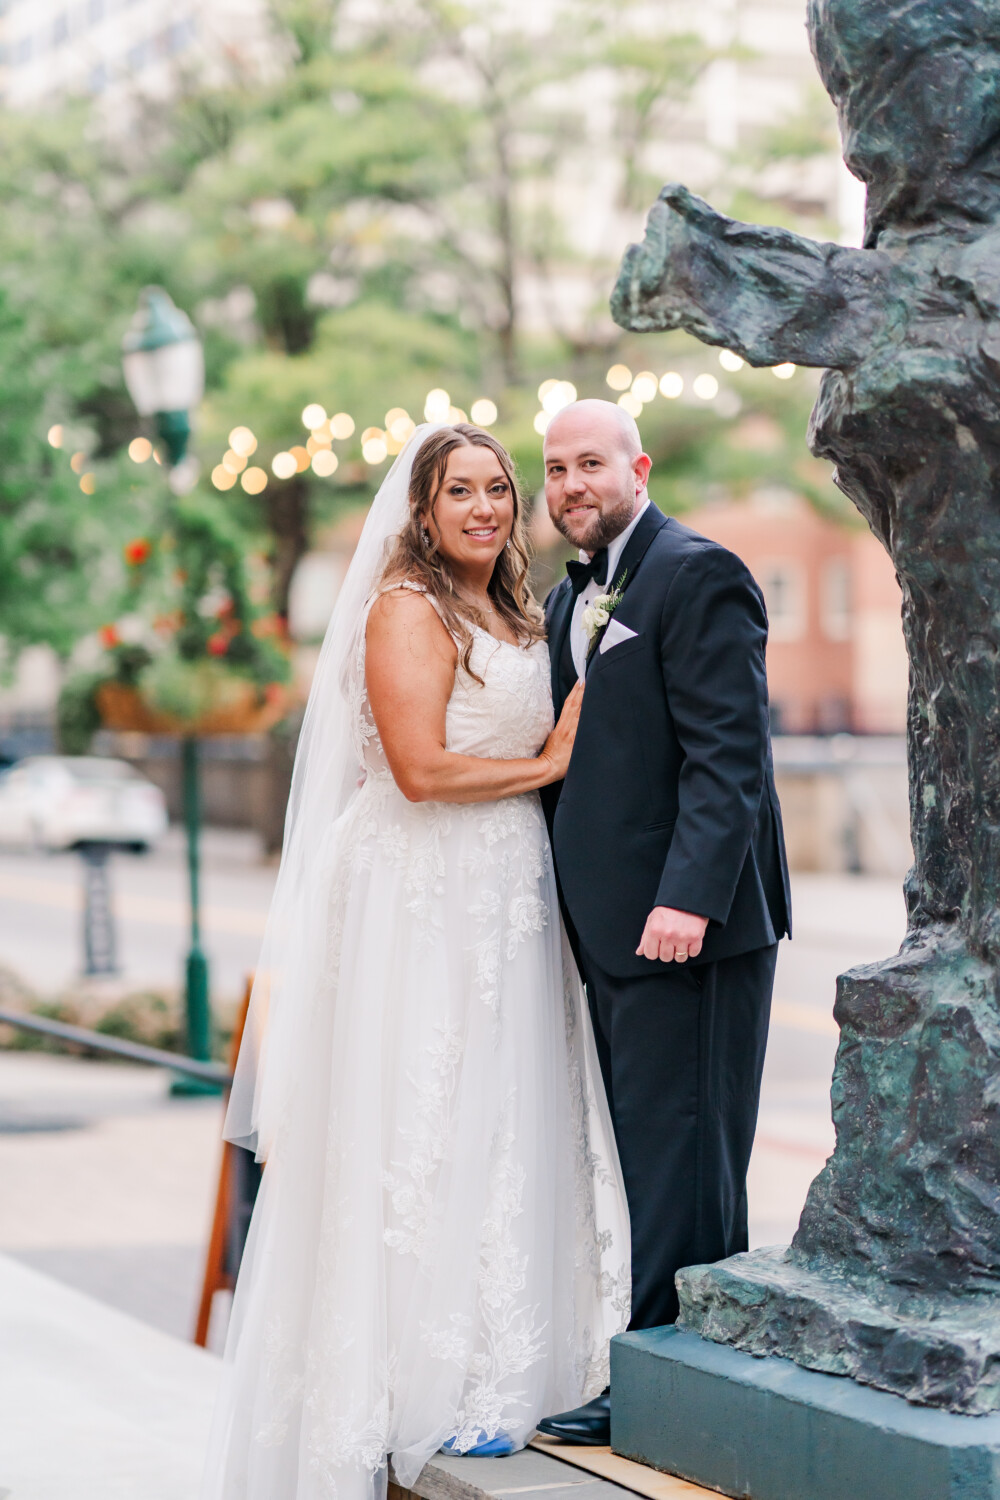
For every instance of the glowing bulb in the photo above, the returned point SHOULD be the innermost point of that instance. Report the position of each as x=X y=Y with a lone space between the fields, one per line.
x=706 y=387
x=541 y=422
x=314 y=444
x=456 y=414
x=223 y=478
x=436 y=406
x=483 y=412
x=233 y=461
x=301 y=458
x=313 y=415
x=242 y=441
x=544 y=389
x=254 y=480
x=631 y=404
x=374 y=451
x=283 y=465
x=140 y=449
x=88 y=483
x=644 y=386
x=671 y=385
x=372 y=435
x=395 y=414
x=730 y=361
x=77 y=462
x=402 y=429
x=342 y=426
x=55 y=436
x=783 y=372
x=619 y=377
x=561 y=394
x=325 y=463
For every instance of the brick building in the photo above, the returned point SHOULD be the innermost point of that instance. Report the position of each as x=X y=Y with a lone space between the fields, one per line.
x=836 y=659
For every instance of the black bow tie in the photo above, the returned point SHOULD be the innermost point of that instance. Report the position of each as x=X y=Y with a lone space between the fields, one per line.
x=580 y=574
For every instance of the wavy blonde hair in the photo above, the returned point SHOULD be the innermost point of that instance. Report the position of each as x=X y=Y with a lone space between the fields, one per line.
x=415 y=557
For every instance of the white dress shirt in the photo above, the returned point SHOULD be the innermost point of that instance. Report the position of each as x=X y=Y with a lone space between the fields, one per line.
x=579 y=641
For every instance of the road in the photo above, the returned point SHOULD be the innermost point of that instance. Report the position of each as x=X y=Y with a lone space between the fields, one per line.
x=109 y=1182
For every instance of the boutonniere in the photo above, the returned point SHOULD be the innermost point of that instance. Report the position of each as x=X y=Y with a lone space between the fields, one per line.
x=599 y=611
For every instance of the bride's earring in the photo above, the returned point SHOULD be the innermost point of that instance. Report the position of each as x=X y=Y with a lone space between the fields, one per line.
x=425 y=537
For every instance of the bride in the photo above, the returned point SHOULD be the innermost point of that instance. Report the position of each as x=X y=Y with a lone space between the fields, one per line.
x=438 y=1255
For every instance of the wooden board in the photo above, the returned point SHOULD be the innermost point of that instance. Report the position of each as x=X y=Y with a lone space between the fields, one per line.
x=622 y=1471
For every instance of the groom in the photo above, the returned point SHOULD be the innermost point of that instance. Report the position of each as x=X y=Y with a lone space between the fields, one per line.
x=668 y=849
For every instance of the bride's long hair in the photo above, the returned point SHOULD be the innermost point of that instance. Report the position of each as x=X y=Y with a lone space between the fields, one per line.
x=415 y=555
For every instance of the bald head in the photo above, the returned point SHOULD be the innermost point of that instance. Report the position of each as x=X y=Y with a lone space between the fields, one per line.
x=595 y=472
x=594 y=418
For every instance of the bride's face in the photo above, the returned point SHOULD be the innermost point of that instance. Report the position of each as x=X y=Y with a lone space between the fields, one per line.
x=473 y=511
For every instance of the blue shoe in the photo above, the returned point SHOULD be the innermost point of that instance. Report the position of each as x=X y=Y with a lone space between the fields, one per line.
x=498 y=1447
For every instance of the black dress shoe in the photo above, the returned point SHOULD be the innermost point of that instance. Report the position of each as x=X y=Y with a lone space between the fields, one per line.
x=588 y=1425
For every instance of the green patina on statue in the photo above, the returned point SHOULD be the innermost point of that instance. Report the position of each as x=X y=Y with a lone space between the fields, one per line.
x=893 y=1276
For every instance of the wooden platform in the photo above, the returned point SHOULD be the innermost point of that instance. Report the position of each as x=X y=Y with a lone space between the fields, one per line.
x=550 y=1471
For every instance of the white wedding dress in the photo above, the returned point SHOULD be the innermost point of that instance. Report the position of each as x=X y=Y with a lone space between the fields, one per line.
x=440 y=1247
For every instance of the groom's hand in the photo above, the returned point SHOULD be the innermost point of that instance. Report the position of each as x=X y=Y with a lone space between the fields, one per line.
x=672 y=936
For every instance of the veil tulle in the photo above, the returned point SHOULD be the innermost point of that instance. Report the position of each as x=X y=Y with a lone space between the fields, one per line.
x=325 y=777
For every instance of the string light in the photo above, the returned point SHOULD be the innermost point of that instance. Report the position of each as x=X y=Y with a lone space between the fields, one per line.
x=483 y=412
x=671 y=385
x=313 y=415
x=77 y=462
x=631 y=404
x=619 y=377
x=55 y=435
x=283 y=465
x=223 y=478
x=325 y=463
x=783 y=372
x=644 y=386
x=88 y=483
x=242 y=441
x=730 y=361
x=561 y=393
x=374 y=451
x=140 y=449
x=301 y=458
x=437 y=405
x=233 y=461
x=706 y=387
x=342 y=426
x=541 y=422
x=254 y=480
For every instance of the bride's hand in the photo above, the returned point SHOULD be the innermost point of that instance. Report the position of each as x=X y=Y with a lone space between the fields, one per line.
x=559 y=746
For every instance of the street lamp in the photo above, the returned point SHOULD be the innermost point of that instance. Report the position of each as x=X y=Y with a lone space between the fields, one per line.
x=164 y=371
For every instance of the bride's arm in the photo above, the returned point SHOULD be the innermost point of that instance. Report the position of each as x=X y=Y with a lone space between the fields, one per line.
x=410 y=665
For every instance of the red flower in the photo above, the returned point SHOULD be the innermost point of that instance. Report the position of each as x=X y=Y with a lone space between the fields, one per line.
x=218 y=644
x=137 y=551
x=108 y=636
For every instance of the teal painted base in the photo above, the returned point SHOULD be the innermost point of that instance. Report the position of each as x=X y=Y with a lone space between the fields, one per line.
x=766 y=1429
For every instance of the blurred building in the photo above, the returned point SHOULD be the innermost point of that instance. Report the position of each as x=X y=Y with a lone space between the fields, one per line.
x=836 y=659
x=50 y=48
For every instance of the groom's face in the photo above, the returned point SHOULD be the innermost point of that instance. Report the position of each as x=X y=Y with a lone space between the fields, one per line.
x=592 y=482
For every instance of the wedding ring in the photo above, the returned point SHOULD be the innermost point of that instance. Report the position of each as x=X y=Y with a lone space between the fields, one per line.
x=680 y=954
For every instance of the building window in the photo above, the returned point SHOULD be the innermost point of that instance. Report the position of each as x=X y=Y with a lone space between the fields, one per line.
x=835 y=603
x=784 y=586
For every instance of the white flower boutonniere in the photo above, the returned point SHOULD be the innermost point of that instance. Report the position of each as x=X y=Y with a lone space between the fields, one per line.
x=599 y=611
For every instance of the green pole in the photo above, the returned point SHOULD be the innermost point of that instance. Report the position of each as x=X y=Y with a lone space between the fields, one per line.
x=199 y=1016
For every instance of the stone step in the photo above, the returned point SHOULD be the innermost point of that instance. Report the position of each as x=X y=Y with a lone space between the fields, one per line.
x=95 y=1405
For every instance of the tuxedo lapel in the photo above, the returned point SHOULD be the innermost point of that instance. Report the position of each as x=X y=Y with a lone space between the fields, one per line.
x=559 y=622
x=650 y=522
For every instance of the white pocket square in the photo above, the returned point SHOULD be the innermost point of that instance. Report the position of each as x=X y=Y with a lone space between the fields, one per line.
x=615 y=634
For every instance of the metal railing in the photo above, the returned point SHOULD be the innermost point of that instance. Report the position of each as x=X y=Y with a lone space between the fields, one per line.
x=157 y=1057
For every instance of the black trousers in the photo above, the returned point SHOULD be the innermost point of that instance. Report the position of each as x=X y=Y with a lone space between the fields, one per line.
x=682 y=1052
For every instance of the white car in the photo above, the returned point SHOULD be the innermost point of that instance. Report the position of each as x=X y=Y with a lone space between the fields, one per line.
x=63 y=801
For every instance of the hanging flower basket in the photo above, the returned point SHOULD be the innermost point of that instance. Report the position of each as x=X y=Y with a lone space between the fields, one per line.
x=245 y=709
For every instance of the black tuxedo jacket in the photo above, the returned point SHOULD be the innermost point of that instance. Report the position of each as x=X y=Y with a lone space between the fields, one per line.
x=669 y=799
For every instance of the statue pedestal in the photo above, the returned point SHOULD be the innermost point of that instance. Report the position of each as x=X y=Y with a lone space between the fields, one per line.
x=766 y=1429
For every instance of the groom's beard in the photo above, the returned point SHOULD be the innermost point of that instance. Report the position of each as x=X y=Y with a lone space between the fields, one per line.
x=609 y=524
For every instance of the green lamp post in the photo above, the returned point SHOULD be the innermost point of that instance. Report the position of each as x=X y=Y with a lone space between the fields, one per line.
x=165 y=374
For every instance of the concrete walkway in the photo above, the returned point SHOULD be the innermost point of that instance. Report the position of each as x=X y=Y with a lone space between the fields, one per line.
x=95 y=1405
